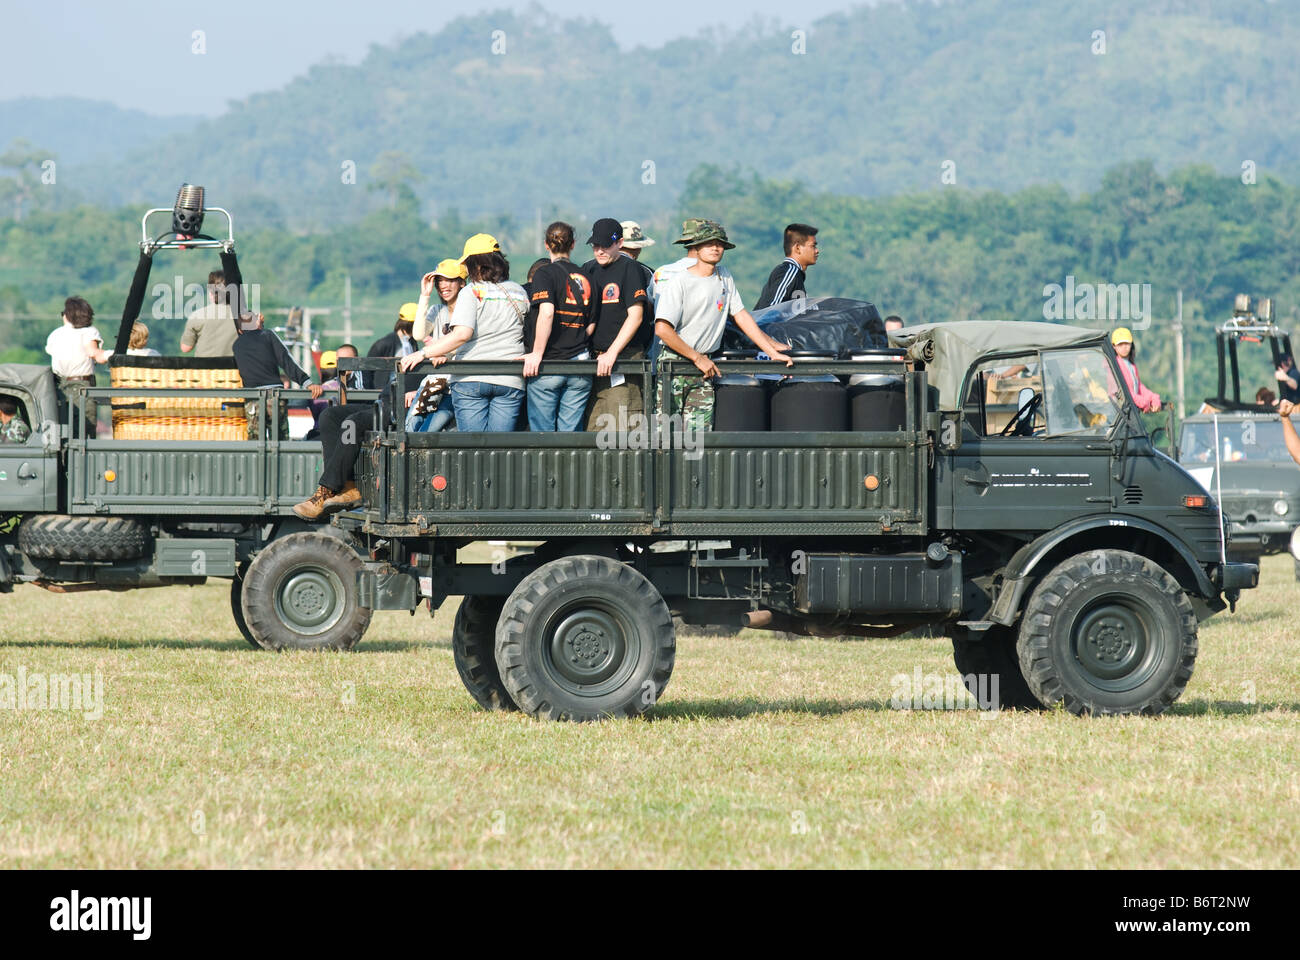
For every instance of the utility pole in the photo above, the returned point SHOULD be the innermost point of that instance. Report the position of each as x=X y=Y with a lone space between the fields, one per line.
x=347 y=308
x=1178 y=357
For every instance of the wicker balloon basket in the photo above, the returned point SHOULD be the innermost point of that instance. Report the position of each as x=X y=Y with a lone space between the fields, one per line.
x=144 y=417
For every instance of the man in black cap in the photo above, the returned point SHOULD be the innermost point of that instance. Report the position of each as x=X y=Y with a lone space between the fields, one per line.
x=621 y=327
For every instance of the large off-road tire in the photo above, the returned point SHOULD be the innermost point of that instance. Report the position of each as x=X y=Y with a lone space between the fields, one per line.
x=62 y=537
x=989 y=655
x=1108 y=631
x=236 y=605
x=473 y=647
x=300 y=593
x=584 y=638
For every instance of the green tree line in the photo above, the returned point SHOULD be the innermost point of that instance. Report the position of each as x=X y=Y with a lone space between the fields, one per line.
x=947 y=254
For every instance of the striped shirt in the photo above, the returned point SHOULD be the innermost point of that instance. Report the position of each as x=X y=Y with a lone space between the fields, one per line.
x=786 y=278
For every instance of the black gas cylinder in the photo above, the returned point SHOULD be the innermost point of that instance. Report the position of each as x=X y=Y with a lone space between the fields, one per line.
x=740 y=400
x=810 y=403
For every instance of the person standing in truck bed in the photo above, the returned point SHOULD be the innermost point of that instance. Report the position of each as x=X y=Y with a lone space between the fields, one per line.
x=786 y=281
x=691 y=315
x=264 y=362
x=210 y=330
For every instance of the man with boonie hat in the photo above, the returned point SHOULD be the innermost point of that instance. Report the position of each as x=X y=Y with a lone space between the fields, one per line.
x=634 y=241
x=691 y=316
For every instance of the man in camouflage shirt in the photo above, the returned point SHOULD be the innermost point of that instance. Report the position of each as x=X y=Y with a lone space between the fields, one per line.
x=691 y=314
x=13 y=429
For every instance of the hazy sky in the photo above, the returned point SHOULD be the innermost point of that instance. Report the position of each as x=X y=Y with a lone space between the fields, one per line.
x=137 y=53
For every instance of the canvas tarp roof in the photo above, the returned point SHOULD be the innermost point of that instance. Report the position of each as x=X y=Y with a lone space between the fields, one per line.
x=949 y=349
x=38 y=380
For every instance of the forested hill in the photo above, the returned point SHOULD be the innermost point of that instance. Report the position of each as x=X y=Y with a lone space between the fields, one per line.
x=528 y=114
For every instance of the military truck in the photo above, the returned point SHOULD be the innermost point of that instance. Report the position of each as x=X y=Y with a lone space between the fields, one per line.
x=81 y=512
x=1254 y=477
x=1234 y=445
x=1061 y=552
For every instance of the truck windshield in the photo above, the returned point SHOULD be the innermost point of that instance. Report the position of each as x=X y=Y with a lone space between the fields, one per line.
x=1082 y=394
x=1251 y=440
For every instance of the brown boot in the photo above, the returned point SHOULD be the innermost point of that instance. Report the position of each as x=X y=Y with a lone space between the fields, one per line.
x=314 y=508
x=345 y=499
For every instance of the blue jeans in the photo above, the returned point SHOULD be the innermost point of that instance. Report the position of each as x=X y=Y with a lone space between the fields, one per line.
x=439 y=419
x=485 y=406
x=558 y=402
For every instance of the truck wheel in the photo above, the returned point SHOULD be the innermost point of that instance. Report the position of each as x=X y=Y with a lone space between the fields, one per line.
x=473 y=647
x=583 y=638
x=62 y=537
x=1108 y=632
x=992 y=655
x=301 y=594
x=236 y=605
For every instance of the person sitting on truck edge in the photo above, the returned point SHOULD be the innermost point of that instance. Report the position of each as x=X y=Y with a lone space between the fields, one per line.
x=487 y=324
x=399 y=343
x=786 y=280
x=447 y=279
x=210 y=330
x=1126 y=351
x=261 y=357
x=893 y=322
x=558 y=330
x=13 y=428
x=691 y=316
x=1264 y=397
x=329 y=368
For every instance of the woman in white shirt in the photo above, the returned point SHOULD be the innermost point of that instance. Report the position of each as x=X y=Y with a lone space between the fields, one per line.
x=486 y=324
x=448 y=279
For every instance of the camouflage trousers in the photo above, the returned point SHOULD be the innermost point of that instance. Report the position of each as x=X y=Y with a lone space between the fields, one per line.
x=252 y=411
x=693 y=401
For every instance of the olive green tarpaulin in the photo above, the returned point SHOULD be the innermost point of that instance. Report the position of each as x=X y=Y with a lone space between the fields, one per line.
x=949 y=349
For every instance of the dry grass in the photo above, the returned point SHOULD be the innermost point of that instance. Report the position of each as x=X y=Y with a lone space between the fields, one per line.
x=763 y=753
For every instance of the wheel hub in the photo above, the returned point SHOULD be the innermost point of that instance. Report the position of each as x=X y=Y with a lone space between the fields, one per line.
x=1111 y=641
x=587 y=647
x=309 y=600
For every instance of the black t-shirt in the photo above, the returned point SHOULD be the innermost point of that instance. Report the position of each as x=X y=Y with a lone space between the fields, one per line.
x=565 y=286
x=614 y=290
x=260 y=356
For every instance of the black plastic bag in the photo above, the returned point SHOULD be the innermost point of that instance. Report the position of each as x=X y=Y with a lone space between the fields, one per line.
x=835 y=325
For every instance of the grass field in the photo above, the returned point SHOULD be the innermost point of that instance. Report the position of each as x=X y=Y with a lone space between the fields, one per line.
x=763 y=752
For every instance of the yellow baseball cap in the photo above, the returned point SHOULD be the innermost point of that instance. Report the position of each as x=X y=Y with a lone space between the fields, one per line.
x=1121 y=335
x=451 y=269
x=407 y=313
x=480 y=243
x=330 y=358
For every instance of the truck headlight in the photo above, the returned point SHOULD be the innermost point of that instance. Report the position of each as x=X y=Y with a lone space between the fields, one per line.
x=1280 y=507
x=1295 y=543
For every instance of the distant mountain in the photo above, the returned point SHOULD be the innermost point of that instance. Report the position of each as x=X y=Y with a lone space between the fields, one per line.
x=530 y=115
x=78 y=131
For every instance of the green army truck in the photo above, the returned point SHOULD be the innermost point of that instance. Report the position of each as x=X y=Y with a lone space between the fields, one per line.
x=1067 y=558
x=84 y=512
